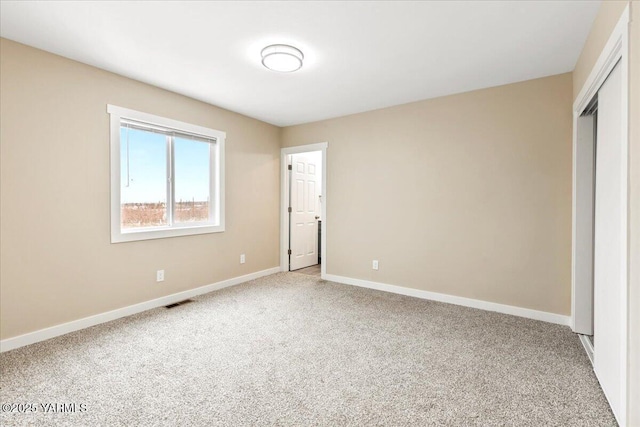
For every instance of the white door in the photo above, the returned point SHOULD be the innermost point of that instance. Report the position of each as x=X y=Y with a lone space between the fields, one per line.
x=305 y=211
x=609 y=269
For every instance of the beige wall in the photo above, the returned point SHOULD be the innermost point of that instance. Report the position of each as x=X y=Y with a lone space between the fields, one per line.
x=606 y=20
x=57 y=261
x=467 y=195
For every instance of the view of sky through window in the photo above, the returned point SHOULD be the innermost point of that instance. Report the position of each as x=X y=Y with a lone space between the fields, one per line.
x=191 y=166
x=144 y=178
x=143 y=166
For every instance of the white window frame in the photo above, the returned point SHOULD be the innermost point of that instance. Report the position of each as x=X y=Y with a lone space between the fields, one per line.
x=217 y=197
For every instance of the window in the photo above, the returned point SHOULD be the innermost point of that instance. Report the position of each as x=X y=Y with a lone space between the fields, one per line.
x=167 y=177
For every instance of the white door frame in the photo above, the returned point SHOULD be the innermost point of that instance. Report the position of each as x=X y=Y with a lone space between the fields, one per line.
x=284 y=204
x=616 y=49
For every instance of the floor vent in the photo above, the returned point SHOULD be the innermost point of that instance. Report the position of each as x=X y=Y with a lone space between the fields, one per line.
x=175 y=304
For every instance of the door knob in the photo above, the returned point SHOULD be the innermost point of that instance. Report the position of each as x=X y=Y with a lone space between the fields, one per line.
x=317 y=217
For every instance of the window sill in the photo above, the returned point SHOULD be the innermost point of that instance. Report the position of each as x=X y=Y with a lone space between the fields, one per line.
x=163 y=233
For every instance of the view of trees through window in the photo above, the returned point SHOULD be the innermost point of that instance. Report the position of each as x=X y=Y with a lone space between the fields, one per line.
x=155 y=214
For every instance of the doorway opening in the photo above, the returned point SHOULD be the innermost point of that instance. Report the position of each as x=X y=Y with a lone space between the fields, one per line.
x=305 y=221
x=303 y=211
x=584 y=223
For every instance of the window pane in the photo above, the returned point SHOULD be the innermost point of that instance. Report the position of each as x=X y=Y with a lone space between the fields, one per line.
x=143 y=178
x=192 y=180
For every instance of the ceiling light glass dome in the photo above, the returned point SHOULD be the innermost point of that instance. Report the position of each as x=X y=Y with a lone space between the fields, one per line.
x=282 y=58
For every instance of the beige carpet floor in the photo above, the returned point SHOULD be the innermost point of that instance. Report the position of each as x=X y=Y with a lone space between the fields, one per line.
x=293 y=350
x=314 y=270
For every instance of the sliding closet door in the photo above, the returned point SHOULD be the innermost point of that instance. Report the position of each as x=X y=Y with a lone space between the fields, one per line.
x=610 y=243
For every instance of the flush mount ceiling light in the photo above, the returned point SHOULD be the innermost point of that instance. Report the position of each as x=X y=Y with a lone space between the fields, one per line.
x=282 y=58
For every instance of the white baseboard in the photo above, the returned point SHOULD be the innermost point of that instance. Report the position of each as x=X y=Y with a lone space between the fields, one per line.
x=451 y=299
x=75 y=325
x=588 y=347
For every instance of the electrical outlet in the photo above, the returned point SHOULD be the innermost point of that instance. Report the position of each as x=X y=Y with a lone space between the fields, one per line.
x=242 y=259
x=375 y=264
x=160 y=276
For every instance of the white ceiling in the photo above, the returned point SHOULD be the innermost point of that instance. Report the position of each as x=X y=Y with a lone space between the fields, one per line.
x=359 y=56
